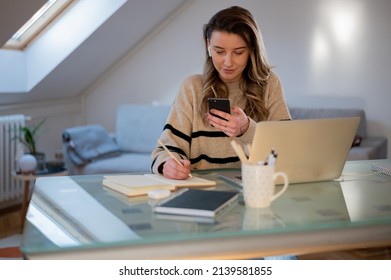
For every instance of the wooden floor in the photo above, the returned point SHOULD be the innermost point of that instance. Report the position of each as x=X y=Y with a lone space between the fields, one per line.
x=383 y=253
x=10 y=221
x=10 y=224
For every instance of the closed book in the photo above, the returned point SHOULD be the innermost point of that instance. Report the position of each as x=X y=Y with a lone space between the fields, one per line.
x=135 y=185
x=186 y=218
x=195 y=202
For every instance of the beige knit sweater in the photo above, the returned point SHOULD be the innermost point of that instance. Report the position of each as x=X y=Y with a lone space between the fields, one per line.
x=187 y=136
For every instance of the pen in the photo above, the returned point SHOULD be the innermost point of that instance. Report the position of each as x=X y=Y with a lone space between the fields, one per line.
x=171 y=155
x=271 y=160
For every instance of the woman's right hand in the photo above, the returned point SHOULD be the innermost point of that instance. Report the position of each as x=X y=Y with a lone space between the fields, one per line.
x=173 y=170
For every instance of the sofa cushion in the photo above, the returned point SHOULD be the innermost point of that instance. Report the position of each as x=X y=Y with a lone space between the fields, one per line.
x=125 y=163
x=372 y=147
x=88 y=143
x=318 y=113
x=139 y=126
x=362 y=153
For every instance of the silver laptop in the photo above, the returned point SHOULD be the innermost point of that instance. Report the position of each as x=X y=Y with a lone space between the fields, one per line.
x=307 y=150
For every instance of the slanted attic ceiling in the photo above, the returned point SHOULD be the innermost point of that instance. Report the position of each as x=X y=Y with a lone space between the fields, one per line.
x=124 y=30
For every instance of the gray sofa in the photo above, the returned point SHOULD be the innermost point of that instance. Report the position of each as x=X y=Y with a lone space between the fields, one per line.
x=138 y=126
x=368 y=147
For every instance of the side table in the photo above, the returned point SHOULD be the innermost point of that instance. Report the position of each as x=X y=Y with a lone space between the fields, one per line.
x=30 y=178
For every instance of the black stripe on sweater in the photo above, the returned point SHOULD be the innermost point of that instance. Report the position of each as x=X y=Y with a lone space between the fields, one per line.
x=214 y=160
x=177 y=133
x=202 y=133
x=175 y=150
x=211 y=134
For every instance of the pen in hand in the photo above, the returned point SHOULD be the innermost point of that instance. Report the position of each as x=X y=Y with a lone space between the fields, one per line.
x=171 y=155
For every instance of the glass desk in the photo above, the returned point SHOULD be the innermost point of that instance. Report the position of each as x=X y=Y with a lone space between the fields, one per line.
x=29 y=179
x=75 y=217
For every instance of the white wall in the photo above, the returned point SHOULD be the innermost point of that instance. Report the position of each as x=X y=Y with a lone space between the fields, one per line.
x=59 y=114
x=329 y=53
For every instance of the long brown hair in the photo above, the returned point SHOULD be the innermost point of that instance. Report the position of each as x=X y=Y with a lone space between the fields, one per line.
x=238 y=21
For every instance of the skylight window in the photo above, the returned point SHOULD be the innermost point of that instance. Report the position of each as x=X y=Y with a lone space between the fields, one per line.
x=37 y=23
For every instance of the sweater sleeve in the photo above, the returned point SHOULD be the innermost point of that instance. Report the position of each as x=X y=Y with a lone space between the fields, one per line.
x=247 y=137
x=176 y=134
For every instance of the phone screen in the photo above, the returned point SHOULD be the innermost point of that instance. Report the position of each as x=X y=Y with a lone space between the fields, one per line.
x=221 y=104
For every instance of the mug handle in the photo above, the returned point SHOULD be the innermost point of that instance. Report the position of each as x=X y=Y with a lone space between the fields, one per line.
x=284 y=188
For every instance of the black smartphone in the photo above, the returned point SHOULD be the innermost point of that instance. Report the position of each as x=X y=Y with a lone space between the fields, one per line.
x=221 y=104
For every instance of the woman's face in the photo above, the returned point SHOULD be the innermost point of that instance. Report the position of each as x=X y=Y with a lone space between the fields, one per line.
x=229 y=55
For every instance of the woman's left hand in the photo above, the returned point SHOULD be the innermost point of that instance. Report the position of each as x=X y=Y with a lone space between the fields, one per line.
x=234 y=124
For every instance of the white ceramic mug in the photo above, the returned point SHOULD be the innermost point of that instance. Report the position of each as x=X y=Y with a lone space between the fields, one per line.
x=259 y=185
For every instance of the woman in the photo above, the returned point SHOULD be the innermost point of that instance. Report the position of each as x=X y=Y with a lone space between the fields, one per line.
x=236 y=67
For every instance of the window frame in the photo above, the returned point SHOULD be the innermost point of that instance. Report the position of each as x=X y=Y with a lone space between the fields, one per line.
x=41 y=20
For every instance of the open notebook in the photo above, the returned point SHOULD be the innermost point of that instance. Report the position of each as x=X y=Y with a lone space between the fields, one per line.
x=135 y=185
x=308 y=150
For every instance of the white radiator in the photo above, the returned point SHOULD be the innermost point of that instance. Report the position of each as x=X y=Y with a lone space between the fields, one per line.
x=9 y=130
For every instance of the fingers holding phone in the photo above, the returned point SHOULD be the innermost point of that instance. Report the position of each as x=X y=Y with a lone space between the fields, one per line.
x=219 y=107
x=230 y=120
